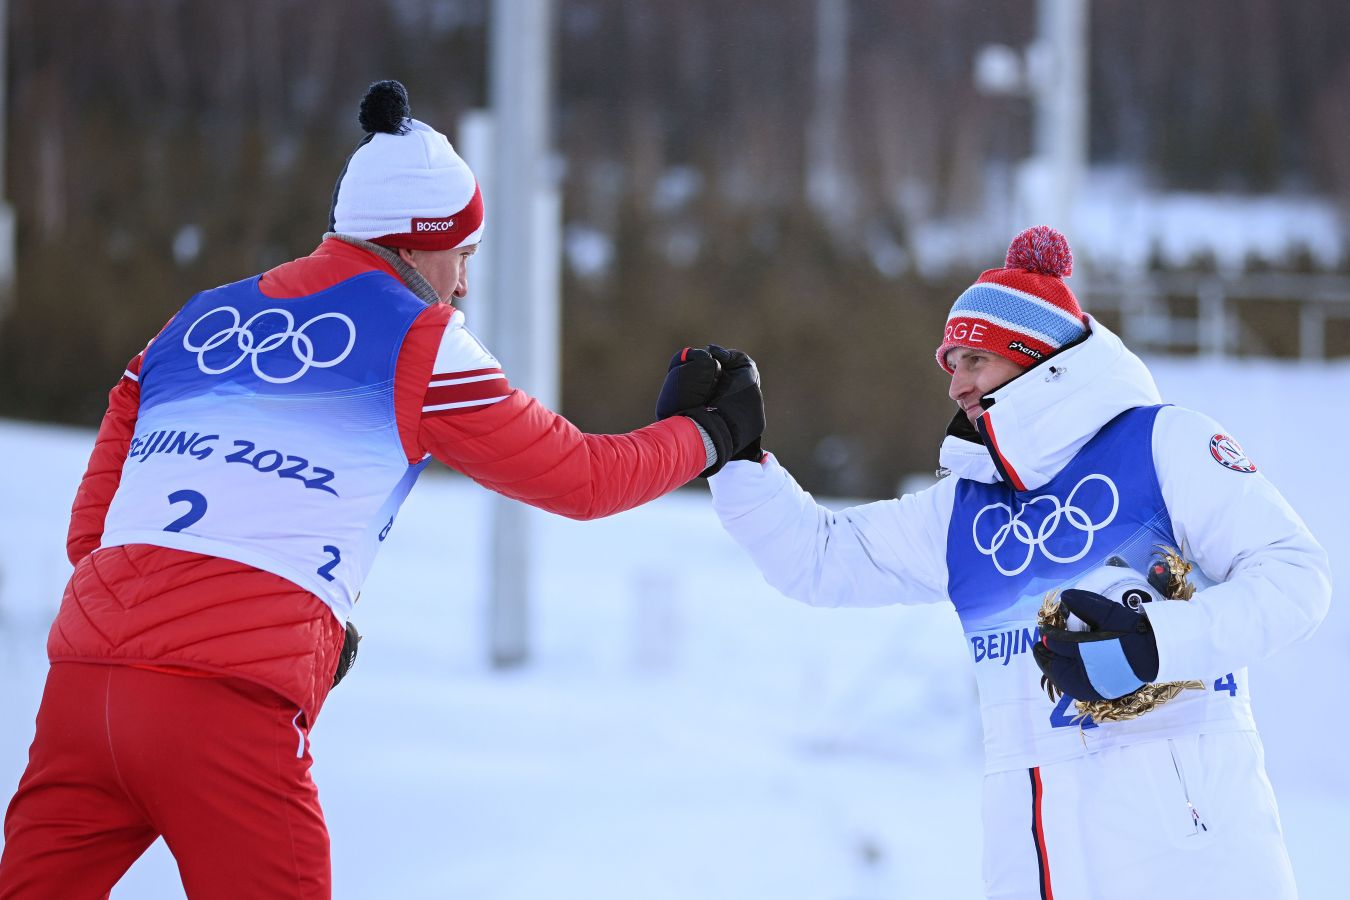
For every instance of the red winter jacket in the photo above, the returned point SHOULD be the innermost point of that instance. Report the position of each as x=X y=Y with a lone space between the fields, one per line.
x=199 y=615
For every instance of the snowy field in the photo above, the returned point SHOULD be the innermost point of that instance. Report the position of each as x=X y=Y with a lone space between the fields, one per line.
x=684 y=733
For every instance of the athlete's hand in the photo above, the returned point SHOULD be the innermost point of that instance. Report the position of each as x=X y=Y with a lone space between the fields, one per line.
x=691 y=379
x=739 y=370
x=718 y=389
x=1117 y=655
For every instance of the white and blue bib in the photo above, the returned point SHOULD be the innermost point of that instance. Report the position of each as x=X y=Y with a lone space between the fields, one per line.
x=1006 y=549
x=266 y=433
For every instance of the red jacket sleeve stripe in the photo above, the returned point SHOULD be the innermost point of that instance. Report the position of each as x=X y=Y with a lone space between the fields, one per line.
x=450 y=395
x=456 y=377
x=458 y=406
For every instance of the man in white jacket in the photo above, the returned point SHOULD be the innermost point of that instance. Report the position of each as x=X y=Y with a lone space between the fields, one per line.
x=1062 y=457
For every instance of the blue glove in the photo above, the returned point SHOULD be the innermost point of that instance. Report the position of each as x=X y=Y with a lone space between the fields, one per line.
x=1117 y=655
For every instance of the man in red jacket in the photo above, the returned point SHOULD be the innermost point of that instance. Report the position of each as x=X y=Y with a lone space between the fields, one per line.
x=251 y=461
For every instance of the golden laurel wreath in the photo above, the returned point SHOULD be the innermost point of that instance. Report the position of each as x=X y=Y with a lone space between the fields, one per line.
x=1053 y=615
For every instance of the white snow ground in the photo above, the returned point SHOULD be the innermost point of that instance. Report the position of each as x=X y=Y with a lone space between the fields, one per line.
x=684 y=733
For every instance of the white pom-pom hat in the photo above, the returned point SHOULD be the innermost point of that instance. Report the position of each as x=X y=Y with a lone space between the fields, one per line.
x=404 y=185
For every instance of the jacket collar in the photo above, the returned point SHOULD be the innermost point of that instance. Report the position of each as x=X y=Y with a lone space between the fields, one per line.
x=406 y=273
x=1036 y=423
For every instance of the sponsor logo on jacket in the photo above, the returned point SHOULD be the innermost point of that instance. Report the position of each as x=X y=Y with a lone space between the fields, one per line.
x=1229 y=454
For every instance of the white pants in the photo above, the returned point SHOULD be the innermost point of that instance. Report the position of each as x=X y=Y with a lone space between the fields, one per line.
x=1190 y=818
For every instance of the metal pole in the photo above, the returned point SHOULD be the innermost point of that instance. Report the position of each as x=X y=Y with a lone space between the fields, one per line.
x=6 y=211
x=1312 y=333
x=475 y=142
x=519 y=84
x=1061 y=93
x=826 y=180
x=4 y=85
x=1212 y=320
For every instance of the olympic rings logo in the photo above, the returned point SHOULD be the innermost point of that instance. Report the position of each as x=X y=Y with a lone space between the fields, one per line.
x=1025 y=540
x=241 y=338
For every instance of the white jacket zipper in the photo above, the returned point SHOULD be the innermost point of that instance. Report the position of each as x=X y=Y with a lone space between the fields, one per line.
x=1197 y=823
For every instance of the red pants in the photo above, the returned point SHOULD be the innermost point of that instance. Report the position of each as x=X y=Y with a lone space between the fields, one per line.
x=219 y=767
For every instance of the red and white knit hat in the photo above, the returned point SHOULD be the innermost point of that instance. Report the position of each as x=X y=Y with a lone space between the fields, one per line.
x=404 y=185
x=1023 y=312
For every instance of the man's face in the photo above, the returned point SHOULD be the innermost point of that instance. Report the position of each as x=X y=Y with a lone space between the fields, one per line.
x=977 y=373
x=447 y=271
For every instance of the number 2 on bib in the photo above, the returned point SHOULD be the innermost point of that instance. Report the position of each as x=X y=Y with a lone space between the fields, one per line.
x=196 y=509
x=326 y=570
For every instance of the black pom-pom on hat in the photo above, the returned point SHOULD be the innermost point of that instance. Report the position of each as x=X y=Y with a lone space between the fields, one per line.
x=384 y=108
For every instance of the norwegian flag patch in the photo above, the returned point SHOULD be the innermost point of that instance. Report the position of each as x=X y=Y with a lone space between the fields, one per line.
x=1228 y=453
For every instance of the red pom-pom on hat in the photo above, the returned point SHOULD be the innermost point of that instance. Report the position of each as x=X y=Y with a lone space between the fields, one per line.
x=1041 y=250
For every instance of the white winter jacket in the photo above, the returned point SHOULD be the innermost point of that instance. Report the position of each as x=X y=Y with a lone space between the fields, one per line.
x=1079 y=463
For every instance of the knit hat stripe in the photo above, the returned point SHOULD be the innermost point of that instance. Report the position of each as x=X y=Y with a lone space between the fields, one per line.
x=443 y=233
x=1018 y=311
x=1054 y=303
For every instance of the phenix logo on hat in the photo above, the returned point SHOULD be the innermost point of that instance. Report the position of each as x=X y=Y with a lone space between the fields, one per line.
x=1023 y=312
x=404 y=185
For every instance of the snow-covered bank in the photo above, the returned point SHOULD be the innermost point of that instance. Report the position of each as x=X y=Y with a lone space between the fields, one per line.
x=683 y=732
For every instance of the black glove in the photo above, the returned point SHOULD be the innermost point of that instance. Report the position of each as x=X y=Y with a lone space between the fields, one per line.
x=347 y=658
x=720 y=390
x=732 y=361
x=1117 y=655
x=691 y=380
